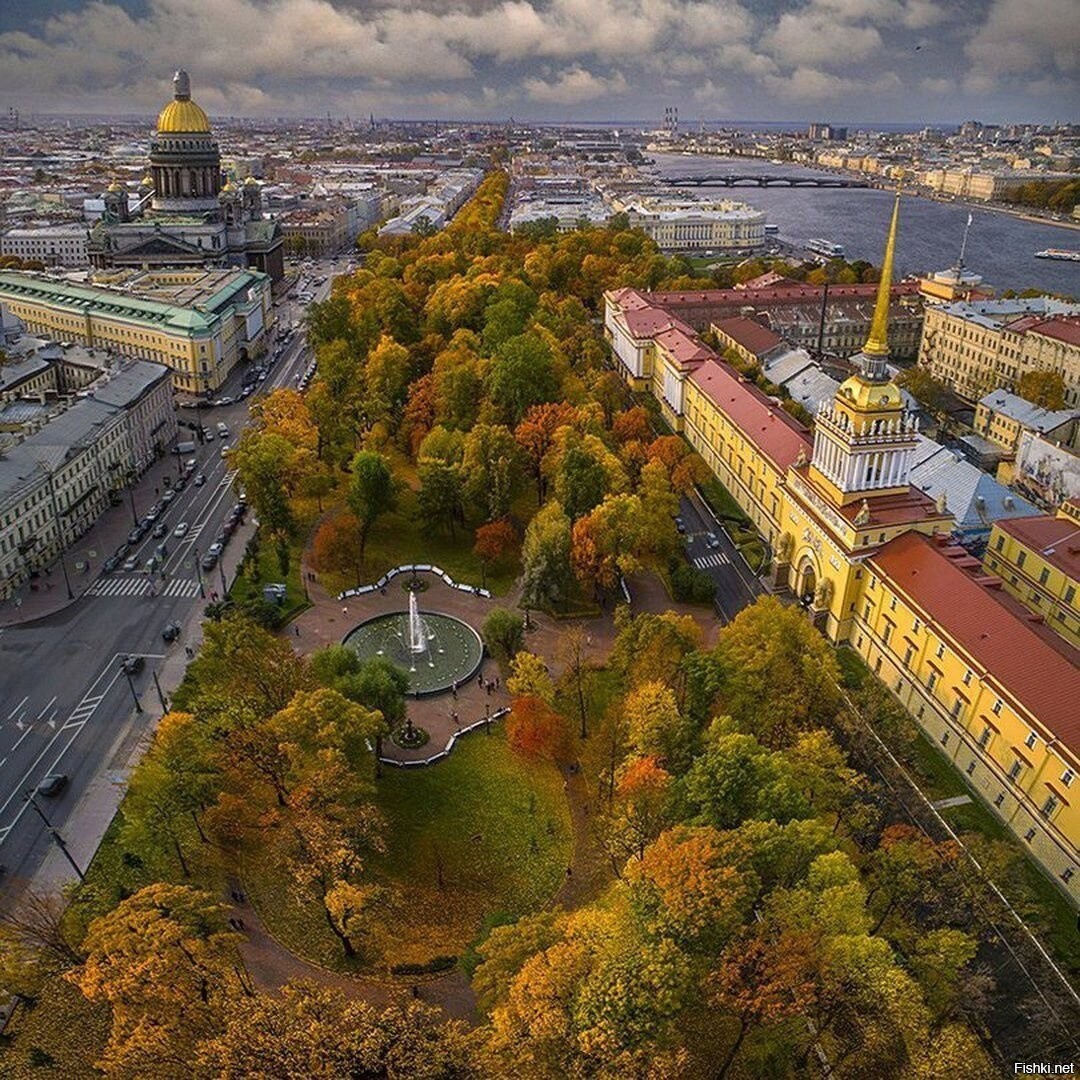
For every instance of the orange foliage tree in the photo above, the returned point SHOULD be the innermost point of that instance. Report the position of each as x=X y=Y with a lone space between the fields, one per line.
x=494 y=541
x=536 y=435
x=336 y=547
x=535 y=729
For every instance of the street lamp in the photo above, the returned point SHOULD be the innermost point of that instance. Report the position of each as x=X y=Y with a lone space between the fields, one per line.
x=57 y=839
x=67 y=580
x=160 y=693
x=131 y=686
x=198 y=572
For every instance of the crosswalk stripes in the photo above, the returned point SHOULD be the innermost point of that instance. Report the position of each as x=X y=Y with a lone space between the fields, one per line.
x=120 y=586
x=184 y=587
x=714 y=558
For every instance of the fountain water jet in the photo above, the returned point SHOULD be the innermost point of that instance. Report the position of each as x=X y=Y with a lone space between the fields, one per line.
x=418 y=638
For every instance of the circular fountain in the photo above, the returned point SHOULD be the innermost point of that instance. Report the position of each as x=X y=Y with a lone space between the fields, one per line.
x=435 y=650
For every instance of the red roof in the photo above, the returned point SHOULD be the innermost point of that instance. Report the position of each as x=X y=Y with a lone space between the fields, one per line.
x=774 y=432
x=1040 y=673
x=797 y=291
x=1057 y=540
x=683 y=344
x=1062 y=327
x=751 y=335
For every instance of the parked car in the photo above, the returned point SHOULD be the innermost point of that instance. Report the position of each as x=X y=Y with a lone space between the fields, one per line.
x=133 y=664
x=131 y=563
x=208 y=434
x=168 y=496
x=153 y=514
x=216 y=548
x=160 y=529
x=111 y=563
x=208 y=561
x=121 y=552
x=680 y=525
x=136 y=534
x=712 y=540
x=52 y=785
x=200 y=479
x=171 y=632
x=180 y=530
x=180 y=484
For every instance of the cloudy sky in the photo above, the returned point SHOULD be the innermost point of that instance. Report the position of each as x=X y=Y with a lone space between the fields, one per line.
x=841 y=60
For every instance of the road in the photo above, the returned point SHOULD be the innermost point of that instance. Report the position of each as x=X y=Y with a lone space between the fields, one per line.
x=65 y=704
x=736 y=586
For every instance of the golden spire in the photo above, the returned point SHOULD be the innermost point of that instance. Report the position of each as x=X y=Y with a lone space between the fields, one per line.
x=877 y=344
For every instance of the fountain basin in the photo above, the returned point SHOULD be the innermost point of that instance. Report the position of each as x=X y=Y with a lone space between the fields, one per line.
x=453 y=653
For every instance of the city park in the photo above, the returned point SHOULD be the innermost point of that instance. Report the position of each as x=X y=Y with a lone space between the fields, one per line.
x=486 y=795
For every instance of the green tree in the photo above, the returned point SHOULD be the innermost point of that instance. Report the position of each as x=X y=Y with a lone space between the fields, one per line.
x=504 y=632
x=521 y=374
x=440 y=499
x=545 y=556
x=491 y=469
x=375 y=683
x=371 y=491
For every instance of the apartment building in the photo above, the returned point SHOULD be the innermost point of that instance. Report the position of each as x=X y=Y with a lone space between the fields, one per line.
x=979 y=347
x=53 y=245
x=63 y=462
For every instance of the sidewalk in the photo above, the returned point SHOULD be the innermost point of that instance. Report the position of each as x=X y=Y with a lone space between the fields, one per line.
x=47 y=594
x=99 y=803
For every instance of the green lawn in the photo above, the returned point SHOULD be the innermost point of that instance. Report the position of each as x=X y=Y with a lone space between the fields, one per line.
x=721 y=501
x=265 y=569
x=494 y=827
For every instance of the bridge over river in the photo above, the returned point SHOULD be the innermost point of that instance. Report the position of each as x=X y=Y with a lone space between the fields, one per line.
x=762 y=180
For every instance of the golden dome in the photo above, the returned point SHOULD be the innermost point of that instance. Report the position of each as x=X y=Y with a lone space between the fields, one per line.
x=229 y=186
x=251 y=181
x=867 y=396
x=115 y=186
x=182 y=116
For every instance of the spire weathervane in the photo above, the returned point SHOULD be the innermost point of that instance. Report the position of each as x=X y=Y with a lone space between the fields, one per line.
x=877 y=344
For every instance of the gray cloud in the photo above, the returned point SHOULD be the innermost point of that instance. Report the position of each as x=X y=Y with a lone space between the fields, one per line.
x=845 y=59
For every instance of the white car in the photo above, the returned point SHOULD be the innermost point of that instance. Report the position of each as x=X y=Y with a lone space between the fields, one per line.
x=180 y=530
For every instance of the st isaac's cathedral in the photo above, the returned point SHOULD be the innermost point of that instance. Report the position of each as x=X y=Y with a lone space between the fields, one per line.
x=183 y=215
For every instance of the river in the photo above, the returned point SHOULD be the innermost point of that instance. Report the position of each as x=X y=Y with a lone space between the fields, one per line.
x=1000 y=246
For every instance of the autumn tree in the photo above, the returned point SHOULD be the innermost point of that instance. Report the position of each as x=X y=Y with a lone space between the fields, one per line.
x=386 y=378
x=371 y=491
x=336 y=546
x=652 y=647
x=655 y=727
x=241 y=665
x=494 y=542
x=535 y=434
x=319 y=1033
x=781 y=675
x=172 y=785
x=1043 y=388
x=762 y=982
x=529 y=677
x=688 y=885
x=570 y=651
x=640 y=809
x=167 y=965
x=535 y=729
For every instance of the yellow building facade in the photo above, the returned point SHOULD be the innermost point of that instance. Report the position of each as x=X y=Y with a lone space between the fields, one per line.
x=867 y=555
x=1038 y=561
x=200 y=323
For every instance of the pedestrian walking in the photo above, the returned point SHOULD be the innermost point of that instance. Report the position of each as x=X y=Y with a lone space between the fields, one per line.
x=297 y=629
x=479 y=678
x=453 y=690
x=497 y=681
x=344 y=611
x=454 y=717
